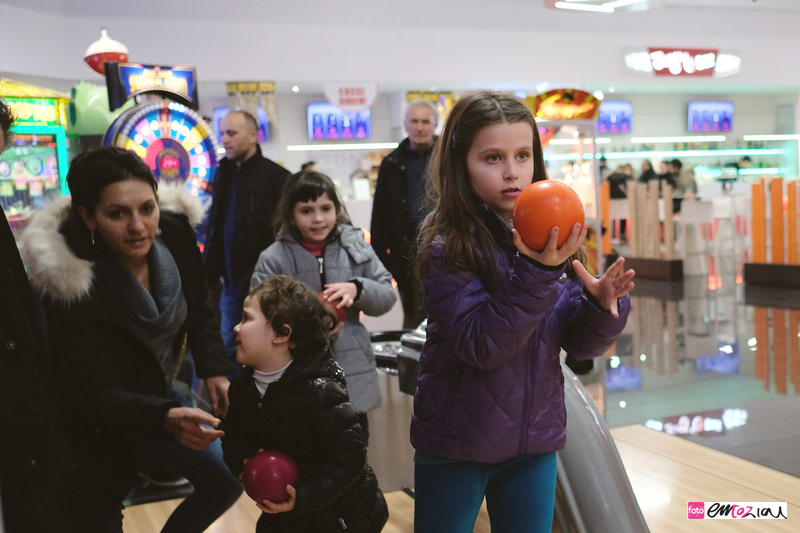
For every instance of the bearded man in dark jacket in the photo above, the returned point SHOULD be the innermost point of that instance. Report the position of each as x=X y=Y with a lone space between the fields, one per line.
x=239 y=225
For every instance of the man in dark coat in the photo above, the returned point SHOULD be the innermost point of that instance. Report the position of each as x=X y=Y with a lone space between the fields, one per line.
x=400 y=205
x=33 y=455
x=244 y=198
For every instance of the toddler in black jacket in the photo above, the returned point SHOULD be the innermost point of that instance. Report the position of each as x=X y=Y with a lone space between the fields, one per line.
x=291 y=397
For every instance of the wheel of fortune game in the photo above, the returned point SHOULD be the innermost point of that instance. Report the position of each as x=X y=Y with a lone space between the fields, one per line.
x=174 y=140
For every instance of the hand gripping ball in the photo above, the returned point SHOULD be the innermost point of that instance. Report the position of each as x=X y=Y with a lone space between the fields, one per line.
x=542 y=205
x=266 y=475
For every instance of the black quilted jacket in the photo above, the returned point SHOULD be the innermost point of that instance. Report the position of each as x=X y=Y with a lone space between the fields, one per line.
x=306 y=414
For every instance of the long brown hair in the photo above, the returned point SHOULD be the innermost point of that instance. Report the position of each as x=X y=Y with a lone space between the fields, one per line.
x=456 y=214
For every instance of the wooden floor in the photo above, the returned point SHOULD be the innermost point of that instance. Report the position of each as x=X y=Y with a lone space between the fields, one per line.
x=665 y=472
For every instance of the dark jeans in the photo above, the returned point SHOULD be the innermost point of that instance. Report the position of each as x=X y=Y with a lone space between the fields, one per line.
x=520 y=495
x=364 y=422
x=411 y=299
x=230 y=308
x=216 y=489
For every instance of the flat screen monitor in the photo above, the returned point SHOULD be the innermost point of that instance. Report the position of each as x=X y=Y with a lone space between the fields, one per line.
x=615 y=116
x=707 y=116
x=328 y=122
x=263 y=123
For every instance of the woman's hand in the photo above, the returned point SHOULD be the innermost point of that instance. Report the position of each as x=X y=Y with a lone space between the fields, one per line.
x=346 y=291
x=612 y=285
x=186 y=424
x=275 y=508
x=218 y=393
x=552 y=256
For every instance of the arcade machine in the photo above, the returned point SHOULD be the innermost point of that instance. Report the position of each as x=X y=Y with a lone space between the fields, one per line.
x=163 y=128
x=33 y=167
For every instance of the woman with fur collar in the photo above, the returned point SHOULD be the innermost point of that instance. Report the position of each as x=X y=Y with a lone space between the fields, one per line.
x=122 y=283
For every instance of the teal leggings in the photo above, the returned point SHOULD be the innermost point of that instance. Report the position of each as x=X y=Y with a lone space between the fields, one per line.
x=520 y=495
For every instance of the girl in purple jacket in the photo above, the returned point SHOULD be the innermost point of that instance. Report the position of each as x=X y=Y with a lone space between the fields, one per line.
x=489 y=411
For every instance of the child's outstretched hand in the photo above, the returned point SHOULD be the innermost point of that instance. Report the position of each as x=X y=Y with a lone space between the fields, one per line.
x=345 y=290
x=275 y=508
x=612 y=285
x=552 y=256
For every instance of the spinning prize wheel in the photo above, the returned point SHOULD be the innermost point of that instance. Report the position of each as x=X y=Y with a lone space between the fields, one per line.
x=174 y=140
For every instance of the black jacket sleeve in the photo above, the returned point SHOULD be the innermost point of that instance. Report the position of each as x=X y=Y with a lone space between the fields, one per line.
x=88 y=368
x=241 y=427
x=202 y=326
x=381 y=225
x=340 y=440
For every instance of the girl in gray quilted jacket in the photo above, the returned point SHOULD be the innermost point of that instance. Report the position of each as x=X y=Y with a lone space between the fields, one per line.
x=317 y=245
x=489 y=410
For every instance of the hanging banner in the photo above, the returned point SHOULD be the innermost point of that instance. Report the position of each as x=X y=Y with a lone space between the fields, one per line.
x=444 y=101
x=250 y=95
x=352 y=97
x=126 y=80
x=564 y=104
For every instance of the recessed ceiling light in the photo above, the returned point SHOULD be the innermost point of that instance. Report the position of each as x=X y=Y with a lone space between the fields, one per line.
x=295 y=89
x=611 y=89
x=584 y=7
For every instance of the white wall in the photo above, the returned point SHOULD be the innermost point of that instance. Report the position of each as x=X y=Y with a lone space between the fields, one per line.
x=653 y=115
x=292 y=129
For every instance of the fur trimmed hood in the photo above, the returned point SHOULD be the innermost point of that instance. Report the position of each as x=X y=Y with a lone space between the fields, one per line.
x=53 y=267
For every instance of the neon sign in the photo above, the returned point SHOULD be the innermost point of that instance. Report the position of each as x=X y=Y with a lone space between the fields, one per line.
x=672 y=62
x=564 y=104
x=34 y=111
x=682 y=62
x=708 y=423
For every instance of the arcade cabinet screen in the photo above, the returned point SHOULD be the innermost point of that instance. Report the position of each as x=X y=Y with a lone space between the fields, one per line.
x=263 y=123
x=615 y=117
x=710 y=116
x=327 y=122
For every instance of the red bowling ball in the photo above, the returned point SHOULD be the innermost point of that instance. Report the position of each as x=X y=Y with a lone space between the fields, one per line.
x=340 y=313
x=266 y=475
x=542 y=205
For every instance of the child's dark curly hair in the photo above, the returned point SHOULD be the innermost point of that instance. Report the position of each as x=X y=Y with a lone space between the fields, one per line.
x=284 y=301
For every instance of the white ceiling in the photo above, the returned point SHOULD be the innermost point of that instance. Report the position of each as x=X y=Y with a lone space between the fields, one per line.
x=448 y=44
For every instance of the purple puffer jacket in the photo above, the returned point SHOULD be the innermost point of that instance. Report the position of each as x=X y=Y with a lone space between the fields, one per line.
x=490 y=383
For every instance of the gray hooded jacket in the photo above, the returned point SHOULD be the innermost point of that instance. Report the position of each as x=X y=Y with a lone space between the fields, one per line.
x=346 y=257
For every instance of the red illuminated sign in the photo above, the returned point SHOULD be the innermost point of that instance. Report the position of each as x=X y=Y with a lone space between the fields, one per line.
x=170 y=162
x=683 y=61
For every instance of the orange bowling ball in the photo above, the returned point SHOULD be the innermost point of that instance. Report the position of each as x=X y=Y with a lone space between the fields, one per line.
x=542 y=205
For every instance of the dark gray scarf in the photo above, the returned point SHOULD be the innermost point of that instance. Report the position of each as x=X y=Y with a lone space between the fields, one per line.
x=162 y=311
